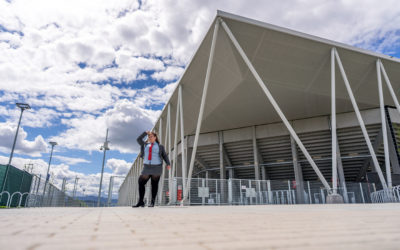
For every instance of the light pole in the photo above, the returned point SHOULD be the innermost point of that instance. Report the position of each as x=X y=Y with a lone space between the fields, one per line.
x=104 y=148
x=75 y=187
x=48 y=168
x=22 y=106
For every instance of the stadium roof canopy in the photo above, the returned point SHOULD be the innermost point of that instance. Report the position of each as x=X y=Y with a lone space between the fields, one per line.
x=295 y=67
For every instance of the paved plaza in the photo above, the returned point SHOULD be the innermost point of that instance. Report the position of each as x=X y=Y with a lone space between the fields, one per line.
x=372 y=226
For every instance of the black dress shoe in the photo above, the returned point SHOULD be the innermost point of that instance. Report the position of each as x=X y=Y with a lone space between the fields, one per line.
x=151 y=204
x=139 y=204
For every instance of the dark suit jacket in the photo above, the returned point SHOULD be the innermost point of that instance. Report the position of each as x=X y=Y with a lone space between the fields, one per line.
x=162 y=153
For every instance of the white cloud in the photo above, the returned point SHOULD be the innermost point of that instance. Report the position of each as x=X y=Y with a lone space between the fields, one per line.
x=22 y=146
x=161 y=36
x=42 y=117
x=71 y=160
x=125 y=122
x=119 y=167
x=171 y=73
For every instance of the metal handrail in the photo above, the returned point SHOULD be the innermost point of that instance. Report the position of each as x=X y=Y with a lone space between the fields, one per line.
x=8 y=195
x=383 y=196
x=20 y=196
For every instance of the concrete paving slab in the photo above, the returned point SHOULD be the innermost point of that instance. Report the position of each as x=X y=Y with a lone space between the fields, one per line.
x=334 y=226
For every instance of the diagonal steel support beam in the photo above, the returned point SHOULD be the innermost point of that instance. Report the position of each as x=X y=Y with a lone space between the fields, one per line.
x=394 y=157
x=274 y=104
x=380 y=68
x=368 y=161
x=200 y=118
x=183 y=153
x=360 y=120
x=389 y=85
x=383 y=124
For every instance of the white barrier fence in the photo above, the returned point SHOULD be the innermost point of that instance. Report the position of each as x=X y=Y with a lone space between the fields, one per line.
x=39 y=195
x=382 y=196
x=205 y=191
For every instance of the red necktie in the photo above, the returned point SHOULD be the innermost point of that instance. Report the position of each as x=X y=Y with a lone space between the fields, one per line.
x=150 y=151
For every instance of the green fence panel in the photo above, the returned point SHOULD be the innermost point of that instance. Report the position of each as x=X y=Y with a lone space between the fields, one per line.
x=17 y=181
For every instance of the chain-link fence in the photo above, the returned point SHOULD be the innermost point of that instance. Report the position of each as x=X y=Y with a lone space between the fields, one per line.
x=48 y=195
x=204 y=191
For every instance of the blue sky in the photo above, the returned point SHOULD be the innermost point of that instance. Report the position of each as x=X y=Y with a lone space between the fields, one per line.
x=84 y=66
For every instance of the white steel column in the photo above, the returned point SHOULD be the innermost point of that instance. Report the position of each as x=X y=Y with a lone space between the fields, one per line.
x=135 y=179
x=160 y=131
x=298 y=173
x=160 y=188
x=176 y=138
x=383 y=122
x=134 y=185
x=163 y=173
x=169 y=151
x=333 y=122
x=389 y=85
x=132 y=174
x=183 y=154
x=342 y=179
x=169 y=129
x=255 y=155
x=275 y=105
x=203 y=100
x=175 y=156
x=222 y=169
x=360 y=121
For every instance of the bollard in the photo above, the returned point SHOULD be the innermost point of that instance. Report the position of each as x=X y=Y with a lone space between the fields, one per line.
x=269 y=191
x=230 y=191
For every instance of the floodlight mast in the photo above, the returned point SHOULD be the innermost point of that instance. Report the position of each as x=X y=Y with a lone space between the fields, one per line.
x=52 y=143
x=22 y=106
x=104 y=147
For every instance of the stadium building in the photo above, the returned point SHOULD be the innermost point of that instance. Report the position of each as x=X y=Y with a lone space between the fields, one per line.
x=265 y=115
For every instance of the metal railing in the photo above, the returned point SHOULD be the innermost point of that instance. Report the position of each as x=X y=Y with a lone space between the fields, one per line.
x=383 y=196
x=205 y=191
x=38 y=197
